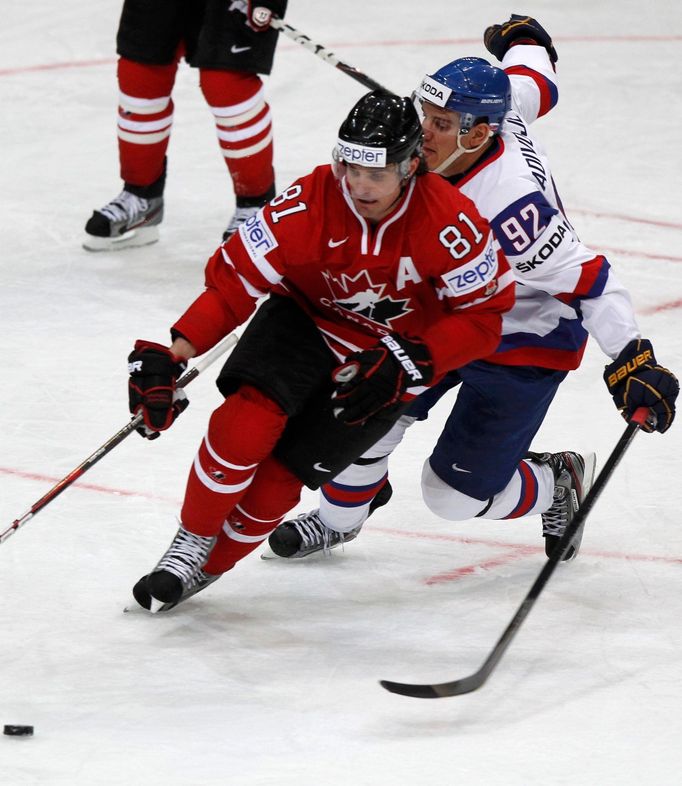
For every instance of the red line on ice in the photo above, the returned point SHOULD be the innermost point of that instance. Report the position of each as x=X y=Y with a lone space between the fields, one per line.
x=87 y=486
x=629 y=252
x=671 y=306
x=467 y=570
x=515 y=550
x=57 y=66
x=519 y=550
x=623 y=217
x=356 y=44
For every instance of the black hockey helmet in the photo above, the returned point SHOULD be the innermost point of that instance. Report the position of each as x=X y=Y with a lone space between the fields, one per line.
x=382 y=128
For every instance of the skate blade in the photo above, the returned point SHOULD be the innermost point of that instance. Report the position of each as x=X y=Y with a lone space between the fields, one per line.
x=144 y=236
x=157 y=608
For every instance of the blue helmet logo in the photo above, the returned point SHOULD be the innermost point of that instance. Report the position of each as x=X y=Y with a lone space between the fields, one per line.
x=472 y=87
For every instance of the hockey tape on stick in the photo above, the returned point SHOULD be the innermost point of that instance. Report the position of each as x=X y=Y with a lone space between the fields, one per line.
x=200 y=365
x=640 y=420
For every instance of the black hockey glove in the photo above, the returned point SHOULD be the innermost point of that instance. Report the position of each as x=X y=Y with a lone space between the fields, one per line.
x=517 y=29
x=154 y=370
x=635 y=379
x=260 y=12
x=376 y=378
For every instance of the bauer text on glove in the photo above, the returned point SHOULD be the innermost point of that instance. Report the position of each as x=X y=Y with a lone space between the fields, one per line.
x=376 y=378
x=635 y=380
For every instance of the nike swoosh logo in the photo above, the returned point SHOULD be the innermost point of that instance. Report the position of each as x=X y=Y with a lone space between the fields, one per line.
x=459 y=469
x=320 y=468
x=237 y=49
x=335 y=243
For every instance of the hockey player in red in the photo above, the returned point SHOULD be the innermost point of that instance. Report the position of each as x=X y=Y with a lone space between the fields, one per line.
x=382 y=278
x=230 y=43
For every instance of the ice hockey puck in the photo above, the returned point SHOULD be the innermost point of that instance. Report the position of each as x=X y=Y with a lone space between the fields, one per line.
x=18 y=731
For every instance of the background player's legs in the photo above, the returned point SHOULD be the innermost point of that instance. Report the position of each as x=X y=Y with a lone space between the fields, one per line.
x=145 y=117
x=244 y=127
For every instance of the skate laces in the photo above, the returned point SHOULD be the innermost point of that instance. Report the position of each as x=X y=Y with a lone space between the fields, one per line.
x=558 y=517
x=313 y=532
x=125 y=207
x=555 y=520
x=185 y=556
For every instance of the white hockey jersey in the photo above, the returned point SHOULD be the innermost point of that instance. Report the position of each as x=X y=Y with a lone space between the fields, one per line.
x=564 y=289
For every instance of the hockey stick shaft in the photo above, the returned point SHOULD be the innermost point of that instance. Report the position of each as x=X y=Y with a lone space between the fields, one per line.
x=201 y=364
x=478 y=678
x=323 y=53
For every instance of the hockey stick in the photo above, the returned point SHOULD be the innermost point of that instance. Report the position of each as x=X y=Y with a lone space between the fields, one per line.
x=110 y=444
x=324 y=54
x=478 y=678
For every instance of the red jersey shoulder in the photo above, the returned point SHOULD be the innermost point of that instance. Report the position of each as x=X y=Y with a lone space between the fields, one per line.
x=459 y=243
x=294 y=217
x=444 y=201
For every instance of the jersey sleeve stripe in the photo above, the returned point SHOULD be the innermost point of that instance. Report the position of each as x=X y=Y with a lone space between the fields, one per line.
x=593 y=277
x=549 y=95
x=248 y=286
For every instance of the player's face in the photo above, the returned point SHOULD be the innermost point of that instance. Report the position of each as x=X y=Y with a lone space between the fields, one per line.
x=373 y=190
x=441 y=127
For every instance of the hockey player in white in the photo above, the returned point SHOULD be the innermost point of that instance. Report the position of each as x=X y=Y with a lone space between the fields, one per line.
x=475 y=118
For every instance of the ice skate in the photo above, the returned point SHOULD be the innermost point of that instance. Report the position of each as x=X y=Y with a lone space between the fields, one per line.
x=178 y=574
x=573 y=477
x=247 y=207
x=240 y=215
x=128 y=221
x=306 y=534
x=143 y=596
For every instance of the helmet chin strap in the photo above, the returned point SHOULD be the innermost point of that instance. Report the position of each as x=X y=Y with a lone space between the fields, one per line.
x=458 y=151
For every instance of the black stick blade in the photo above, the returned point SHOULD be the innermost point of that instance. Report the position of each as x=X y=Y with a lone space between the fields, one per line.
x=478 y=678
x=440 y=691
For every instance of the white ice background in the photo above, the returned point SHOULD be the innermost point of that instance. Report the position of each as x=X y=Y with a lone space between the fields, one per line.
x=271 y=675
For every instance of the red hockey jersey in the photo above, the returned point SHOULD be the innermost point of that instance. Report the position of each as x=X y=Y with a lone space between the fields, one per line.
x=429 y=269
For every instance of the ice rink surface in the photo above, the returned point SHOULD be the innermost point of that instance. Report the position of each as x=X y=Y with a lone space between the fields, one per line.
x=270 y=676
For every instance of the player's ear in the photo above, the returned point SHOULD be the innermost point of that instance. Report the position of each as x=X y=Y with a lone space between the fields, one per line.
x=477 y=135
x=414 y=165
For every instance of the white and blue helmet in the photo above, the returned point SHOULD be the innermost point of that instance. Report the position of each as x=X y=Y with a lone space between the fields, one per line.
x=471 y=86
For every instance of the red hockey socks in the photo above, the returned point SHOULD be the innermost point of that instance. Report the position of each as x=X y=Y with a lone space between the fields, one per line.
x=145 y=116
x=244 y=127
x=241 y=433
x=274 y=491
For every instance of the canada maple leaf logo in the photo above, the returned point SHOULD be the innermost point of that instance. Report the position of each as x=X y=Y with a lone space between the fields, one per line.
x=359 y=296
